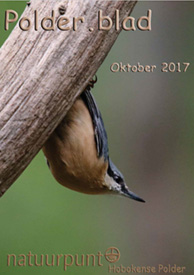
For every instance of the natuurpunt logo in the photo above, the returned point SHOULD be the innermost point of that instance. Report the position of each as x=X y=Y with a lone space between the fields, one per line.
x=111 y=255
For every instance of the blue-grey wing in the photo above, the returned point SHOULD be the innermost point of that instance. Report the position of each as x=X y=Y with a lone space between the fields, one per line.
x=99 y=129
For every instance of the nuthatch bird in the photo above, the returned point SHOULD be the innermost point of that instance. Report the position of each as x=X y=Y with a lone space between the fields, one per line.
x=77 y=151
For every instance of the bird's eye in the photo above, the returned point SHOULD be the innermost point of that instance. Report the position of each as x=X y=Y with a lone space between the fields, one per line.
x=117 y=179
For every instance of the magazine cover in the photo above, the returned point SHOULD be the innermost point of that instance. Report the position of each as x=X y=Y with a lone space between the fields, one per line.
x=96 y=139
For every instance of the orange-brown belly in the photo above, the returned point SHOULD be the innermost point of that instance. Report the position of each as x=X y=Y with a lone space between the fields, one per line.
x=72 y=155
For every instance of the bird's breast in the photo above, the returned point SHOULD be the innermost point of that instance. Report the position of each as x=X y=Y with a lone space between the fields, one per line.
x=72 y=154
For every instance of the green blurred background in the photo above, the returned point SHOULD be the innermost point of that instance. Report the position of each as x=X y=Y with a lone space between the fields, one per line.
x=149 y=119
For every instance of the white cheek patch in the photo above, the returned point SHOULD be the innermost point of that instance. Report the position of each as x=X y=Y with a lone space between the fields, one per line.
x=111 y=184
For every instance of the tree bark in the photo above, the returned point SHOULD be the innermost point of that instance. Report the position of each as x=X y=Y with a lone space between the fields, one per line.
x=42 y=72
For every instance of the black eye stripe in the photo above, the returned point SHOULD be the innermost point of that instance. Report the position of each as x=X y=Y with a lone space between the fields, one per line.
x=117 y=178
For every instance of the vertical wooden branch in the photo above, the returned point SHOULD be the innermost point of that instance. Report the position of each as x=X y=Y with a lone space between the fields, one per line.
x=42 y=72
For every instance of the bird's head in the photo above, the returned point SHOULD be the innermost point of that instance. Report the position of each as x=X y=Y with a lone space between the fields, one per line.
x=114 y=180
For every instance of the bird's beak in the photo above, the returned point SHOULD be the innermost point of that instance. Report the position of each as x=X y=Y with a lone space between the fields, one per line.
x=126 y=192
